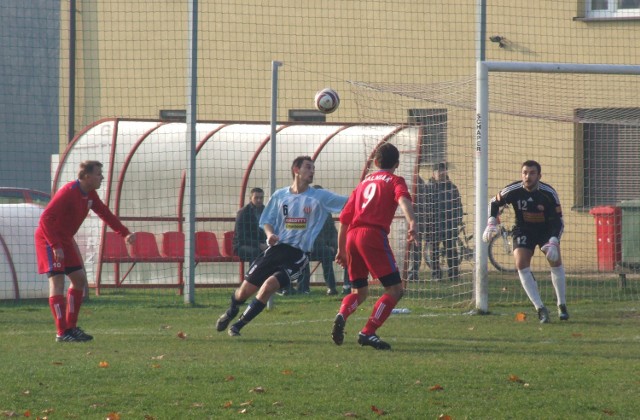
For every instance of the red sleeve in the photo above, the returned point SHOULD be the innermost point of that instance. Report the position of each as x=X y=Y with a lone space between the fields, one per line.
x=105 y=214
x=346 y=215
x=401 y=189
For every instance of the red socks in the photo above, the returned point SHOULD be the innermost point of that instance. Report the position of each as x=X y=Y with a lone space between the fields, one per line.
x=349 y=305
x=381 y=311
x=74 y=300
x=58 y=307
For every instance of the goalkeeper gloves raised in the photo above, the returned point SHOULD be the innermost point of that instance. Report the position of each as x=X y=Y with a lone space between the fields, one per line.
x=551 y=249
x=491 y=230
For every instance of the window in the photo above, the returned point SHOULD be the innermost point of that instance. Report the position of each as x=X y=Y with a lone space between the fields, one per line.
x=306 y=115
x=611 y=155
x=433 y=122
x=612 y=8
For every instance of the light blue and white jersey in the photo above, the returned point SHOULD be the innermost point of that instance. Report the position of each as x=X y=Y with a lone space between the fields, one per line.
x=297 y=219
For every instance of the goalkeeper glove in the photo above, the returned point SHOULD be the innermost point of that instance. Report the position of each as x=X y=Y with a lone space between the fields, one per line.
x=551 y=249
x=491 y=230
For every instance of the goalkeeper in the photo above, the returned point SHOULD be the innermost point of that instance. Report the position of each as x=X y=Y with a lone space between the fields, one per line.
x=538 y=223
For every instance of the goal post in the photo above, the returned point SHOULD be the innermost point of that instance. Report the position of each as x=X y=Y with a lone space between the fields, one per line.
x=484 y=68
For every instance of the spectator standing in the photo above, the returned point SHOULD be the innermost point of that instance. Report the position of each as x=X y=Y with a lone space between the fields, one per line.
x=442 y=221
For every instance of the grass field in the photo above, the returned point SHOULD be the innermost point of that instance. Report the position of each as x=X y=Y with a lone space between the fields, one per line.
x=443 y=363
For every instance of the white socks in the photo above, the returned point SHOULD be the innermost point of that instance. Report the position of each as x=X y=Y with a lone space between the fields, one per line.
x=559 y=283
x=531 y=287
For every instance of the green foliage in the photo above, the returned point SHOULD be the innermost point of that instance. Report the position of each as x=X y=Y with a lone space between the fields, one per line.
x=285 y=364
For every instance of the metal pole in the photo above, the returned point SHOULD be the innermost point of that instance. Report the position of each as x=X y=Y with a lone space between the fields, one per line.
x=190 y=201
x=274 y=122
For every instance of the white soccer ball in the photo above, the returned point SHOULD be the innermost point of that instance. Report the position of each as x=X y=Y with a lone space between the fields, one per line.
x=327 y=100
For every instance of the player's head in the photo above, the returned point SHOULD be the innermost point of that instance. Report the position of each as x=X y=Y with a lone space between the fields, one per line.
x=304 y=167
x=387 y=156
x=257 y=196
x=440 y=171
x=531 y=172
x=90 y=174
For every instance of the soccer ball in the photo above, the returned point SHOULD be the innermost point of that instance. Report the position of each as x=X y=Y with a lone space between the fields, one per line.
x=327 y=100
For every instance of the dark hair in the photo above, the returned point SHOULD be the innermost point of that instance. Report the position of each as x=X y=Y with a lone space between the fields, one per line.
x=297 y=163
x=87 y=167
x=442 y=166
x=256 y=190
x=387 y=156
x=532 y=163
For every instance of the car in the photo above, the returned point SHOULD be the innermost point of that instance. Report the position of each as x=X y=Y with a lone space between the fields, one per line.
x=14 y=195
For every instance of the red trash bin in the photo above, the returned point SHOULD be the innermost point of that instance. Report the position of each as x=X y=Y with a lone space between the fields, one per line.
x=609 y=236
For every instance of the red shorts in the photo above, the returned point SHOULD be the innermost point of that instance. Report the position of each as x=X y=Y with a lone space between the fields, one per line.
x=368 y=251
x=44 y=255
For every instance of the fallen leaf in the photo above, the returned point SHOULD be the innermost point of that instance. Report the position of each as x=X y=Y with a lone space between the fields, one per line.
x=521 y=317
x=103 y=364
x=165 y=327
x=182 y=335
x=8 y=413
x=27 y=413
x=197 y=405
x=436 y=387
x=418 y=382
x=243 y=411
x=608 y=412
x=504 y=289
x=26 y=392
x=113 y=416
x=48 y=411
x=227 y=404
x=514 y=378
x=277 y=404
x=155 y=366
x=471 y=328
x=257 y=390
x=378 y=411
x=158 y=357
x=350 y=414
x=246 y=403
x=148 y=417
x=444 y=417
x=229 y=378
x=287 y=372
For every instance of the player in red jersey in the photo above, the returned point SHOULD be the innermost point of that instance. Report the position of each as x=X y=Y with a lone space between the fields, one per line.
x=363 y=244
x=57 y=252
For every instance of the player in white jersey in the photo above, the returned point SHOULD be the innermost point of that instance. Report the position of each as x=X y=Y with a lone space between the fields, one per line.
x=291 y=220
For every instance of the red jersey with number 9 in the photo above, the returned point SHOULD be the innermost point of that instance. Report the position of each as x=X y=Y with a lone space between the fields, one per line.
x=374 y=201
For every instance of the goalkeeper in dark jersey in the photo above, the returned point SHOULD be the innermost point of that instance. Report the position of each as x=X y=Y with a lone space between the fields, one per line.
x=538 y=223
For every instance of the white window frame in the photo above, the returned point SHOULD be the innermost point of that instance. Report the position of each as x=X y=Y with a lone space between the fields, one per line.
x=613 y=11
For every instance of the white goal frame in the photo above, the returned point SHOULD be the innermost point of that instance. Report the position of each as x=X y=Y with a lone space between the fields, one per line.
x=483 y=68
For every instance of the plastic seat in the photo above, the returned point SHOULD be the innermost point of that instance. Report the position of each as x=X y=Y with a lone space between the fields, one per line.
x=227 y=244
x=145 y=248
x=115 y=248
x=207 y=247
x=173 y=245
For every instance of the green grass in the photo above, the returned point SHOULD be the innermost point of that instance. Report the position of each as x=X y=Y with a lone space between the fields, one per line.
x=489 y=367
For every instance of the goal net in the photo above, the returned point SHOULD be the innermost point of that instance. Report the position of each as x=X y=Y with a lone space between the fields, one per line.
x=582 y=128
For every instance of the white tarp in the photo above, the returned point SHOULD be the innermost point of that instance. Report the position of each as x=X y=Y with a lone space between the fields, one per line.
x=17 y=253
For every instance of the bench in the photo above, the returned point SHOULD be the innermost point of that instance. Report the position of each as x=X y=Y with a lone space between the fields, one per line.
x=145 y=249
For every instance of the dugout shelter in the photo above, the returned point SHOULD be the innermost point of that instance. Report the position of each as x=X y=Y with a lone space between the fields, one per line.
x=145 y=165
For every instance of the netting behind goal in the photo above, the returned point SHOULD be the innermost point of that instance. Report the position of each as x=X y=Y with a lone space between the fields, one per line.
x=582 y=129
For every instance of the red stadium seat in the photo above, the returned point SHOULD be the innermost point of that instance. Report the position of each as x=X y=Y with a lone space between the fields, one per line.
x=145 y=248
x=227 y=244
x=207 y=247
x=115 y=248
x=173 y=245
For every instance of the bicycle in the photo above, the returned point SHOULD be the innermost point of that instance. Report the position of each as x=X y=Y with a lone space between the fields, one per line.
x=500 y=248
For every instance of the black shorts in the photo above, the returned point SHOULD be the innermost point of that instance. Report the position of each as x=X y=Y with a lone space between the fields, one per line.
x=282 y=260
x=527 y=237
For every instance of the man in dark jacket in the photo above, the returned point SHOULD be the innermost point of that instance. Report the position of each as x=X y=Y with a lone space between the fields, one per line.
x=249 y=240
x=443 y=218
